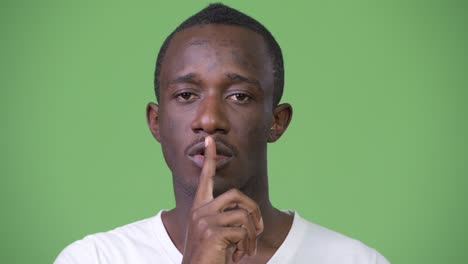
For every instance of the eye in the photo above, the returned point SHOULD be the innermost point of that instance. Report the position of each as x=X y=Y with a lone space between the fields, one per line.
x=239 y=97
x=186 y=97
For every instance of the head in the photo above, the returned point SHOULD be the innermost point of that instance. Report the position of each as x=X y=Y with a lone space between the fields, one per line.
x=221 y=14
x=220 y=73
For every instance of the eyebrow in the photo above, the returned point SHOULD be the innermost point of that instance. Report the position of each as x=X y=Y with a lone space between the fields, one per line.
x=187 y=78
x=192 y=78
x=239 y=78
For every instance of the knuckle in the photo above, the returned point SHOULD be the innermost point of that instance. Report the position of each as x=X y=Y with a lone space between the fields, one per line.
x=194 y=216
x=243 y=232
x=244 y=214
x=234 y=192
x=207 y=234
x=202 y=223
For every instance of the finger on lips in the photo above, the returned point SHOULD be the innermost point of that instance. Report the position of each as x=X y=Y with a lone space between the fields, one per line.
x=204 y=192
x=238 y=218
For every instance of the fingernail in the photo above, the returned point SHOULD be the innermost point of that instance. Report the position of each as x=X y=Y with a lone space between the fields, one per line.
x=206 y=142
x=259 y=231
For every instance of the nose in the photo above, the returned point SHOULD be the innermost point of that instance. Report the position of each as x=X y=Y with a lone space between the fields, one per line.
x=210 y=116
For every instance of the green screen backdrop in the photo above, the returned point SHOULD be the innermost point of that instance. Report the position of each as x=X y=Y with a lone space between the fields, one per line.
x=377 y=148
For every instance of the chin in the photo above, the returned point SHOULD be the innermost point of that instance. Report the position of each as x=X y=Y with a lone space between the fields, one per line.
x=222 y=185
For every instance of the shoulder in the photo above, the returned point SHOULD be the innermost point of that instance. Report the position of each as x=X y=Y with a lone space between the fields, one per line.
x=308 y=241
x=136 y=239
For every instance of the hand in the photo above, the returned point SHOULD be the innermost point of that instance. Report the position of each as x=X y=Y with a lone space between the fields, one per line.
x=221 y=228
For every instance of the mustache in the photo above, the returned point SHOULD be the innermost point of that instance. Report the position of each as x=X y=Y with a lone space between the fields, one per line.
x=217 y=140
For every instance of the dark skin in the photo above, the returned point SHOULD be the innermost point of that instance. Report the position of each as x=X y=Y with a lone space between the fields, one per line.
x=214 y=120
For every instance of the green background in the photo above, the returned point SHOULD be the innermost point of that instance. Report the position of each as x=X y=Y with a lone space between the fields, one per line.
x=377 y=148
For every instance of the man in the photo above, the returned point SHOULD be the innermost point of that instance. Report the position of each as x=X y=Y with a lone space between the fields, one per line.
x=218 y=81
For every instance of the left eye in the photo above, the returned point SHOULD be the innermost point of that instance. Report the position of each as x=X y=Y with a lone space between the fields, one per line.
x=239 y=97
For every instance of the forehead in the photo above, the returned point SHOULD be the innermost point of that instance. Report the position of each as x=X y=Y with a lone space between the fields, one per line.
x=216 y=47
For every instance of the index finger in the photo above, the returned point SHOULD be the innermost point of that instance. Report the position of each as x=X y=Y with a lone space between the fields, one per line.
x=204 y=192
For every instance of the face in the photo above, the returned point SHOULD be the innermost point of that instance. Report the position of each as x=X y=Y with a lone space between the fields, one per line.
x=217 y=80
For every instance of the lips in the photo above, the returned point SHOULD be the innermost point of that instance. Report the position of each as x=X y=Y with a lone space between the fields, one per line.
x=196 y=154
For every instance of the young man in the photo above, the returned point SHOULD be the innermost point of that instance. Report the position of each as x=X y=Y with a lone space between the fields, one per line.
x=218 y=81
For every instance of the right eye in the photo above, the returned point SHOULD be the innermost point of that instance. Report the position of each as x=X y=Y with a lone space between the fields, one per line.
x=186 y=97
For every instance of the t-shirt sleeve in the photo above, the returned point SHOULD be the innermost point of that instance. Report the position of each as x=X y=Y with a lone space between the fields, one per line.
x=79 y=252
x=381 y=259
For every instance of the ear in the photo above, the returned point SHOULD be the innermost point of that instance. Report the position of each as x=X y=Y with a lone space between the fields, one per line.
x=282 y=117
x=152 y=117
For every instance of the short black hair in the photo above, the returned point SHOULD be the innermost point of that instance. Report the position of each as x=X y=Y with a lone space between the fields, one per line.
x=221 y=14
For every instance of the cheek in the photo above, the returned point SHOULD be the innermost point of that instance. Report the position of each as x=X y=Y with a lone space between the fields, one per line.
x=171 y=140
x=258 y=134
x=172 y=124
x=263 y=122
x=253 y=130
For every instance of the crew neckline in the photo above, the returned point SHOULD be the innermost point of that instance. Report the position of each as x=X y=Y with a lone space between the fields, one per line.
x=285 y=252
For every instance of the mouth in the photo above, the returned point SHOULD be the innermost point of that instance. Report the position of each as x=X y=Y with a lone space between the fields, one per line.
x=197 y=154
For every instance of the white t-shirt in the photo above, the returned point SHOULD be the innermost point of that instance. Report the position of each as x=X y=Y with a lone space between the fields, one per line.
x=147 y=241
